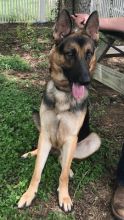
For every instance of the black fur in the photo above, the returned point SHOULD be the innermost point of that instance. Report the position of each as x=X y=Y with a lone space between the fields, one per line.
x=81 y=41
x=79 y=106
x=85 y=129
x=78 y=73
x=49 y=101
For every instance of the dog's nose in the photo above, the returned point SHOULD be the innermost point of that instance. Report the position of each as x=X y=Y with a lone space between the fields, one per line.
x=84 y=78
x=86 y=83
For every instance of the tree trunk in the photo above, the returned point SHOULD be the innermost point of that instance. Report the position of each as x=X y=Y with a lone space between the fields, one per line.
x=75 y=6
x=67 y=4
x=82 y=6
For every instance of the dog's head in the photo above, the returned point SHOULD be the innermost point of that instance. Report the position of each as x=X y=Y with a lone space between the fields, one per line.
x=72 y=59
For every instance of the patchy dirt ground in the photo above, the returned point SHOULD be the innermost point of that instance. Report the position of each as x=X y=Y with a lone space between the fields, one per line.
x=95 y=202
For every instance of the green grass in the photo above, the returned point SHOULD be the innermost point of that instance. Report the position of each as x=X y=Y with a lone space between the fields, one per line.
x=14 y=62
x=17 y=135
x=15 y=120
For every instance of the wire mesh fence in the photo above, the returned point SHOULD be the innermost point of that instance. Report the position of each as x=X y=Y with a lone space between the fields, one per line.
x=27 y=10
x=45 y=10
x=108 y=8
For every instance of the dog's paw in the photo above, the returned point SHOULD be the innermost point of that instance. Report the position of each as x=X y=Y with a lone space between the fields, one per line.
x=30 y=154
x=65 y=203
x=25 y=155
x=71 y=174
x=26 y=199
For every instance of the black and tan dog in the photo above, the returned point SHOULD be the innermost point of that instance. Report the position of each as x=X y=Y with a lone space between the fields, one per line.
x=63 y=109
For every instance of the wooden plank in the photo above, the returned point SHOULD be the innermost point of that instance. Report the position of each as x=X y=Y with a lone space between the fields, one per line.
x=103 y=47
x=110 y=78
x=112 y=51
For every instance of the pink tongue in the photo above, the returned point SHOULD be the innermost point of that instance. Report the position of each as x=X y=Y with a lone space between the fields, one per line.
x=77 y=91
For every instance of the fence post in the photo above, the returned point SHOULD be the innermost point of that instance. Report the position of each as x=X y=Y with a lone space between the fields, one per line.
x=42 y=10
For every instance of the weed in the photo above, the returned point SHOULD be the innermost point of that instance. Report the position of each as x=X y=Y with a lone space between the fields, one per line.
x=42 y=65
x=28 y=37
x=26 y=34
x=60 y=216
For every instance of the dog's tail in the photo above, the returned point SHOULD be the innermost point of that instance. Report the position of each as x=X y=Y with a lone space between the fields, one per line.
x=36 y=119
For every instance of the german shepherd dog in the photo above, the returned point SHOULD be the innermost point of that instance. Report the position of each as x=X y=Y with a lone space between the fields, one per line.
x=63 y=111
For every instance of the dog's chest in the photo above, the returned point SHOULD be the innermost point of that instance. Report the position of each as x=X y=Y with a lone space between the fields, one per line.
x=62 y=102
x=62 y=116
x=62 y=111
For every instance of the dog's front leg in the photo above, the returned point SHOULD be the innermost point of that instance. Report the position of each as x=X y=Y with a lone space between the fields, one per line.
x=67 y=156
x=44 y=147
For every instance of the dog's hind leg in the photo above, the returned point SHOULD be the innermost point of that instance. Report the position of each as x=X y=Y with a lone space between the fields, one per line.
x=36 y=119
x=88 y=146
x=30 y=153
x=84 y=148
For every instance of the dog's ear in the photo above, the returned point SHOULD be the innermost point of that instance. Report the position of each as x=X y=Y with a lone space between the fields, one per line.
x=63 y=26
x=92 y=26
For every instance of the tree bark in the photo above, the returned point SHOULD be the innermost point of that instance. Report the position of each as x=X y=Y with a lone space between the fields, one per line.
x=67 y=4
x=82 y=6
x=75 y=6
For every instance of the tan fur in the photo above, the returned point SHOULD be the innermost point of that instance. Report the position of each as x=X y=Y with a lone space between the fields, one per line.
x=92 y=65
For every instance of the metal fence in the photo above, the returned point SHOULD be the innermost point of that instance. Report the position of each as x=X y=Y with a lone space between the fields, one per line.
x=27 y=10
x=108 y=8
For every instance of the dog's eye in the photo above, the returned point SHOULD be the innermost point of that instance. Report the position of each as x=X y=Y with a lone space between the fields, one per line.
x=88 y=55
x=70 y=54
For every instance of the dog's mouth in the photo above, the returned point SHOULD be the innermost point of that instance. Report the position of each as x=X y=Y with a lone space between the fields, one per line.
x=79 y=91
